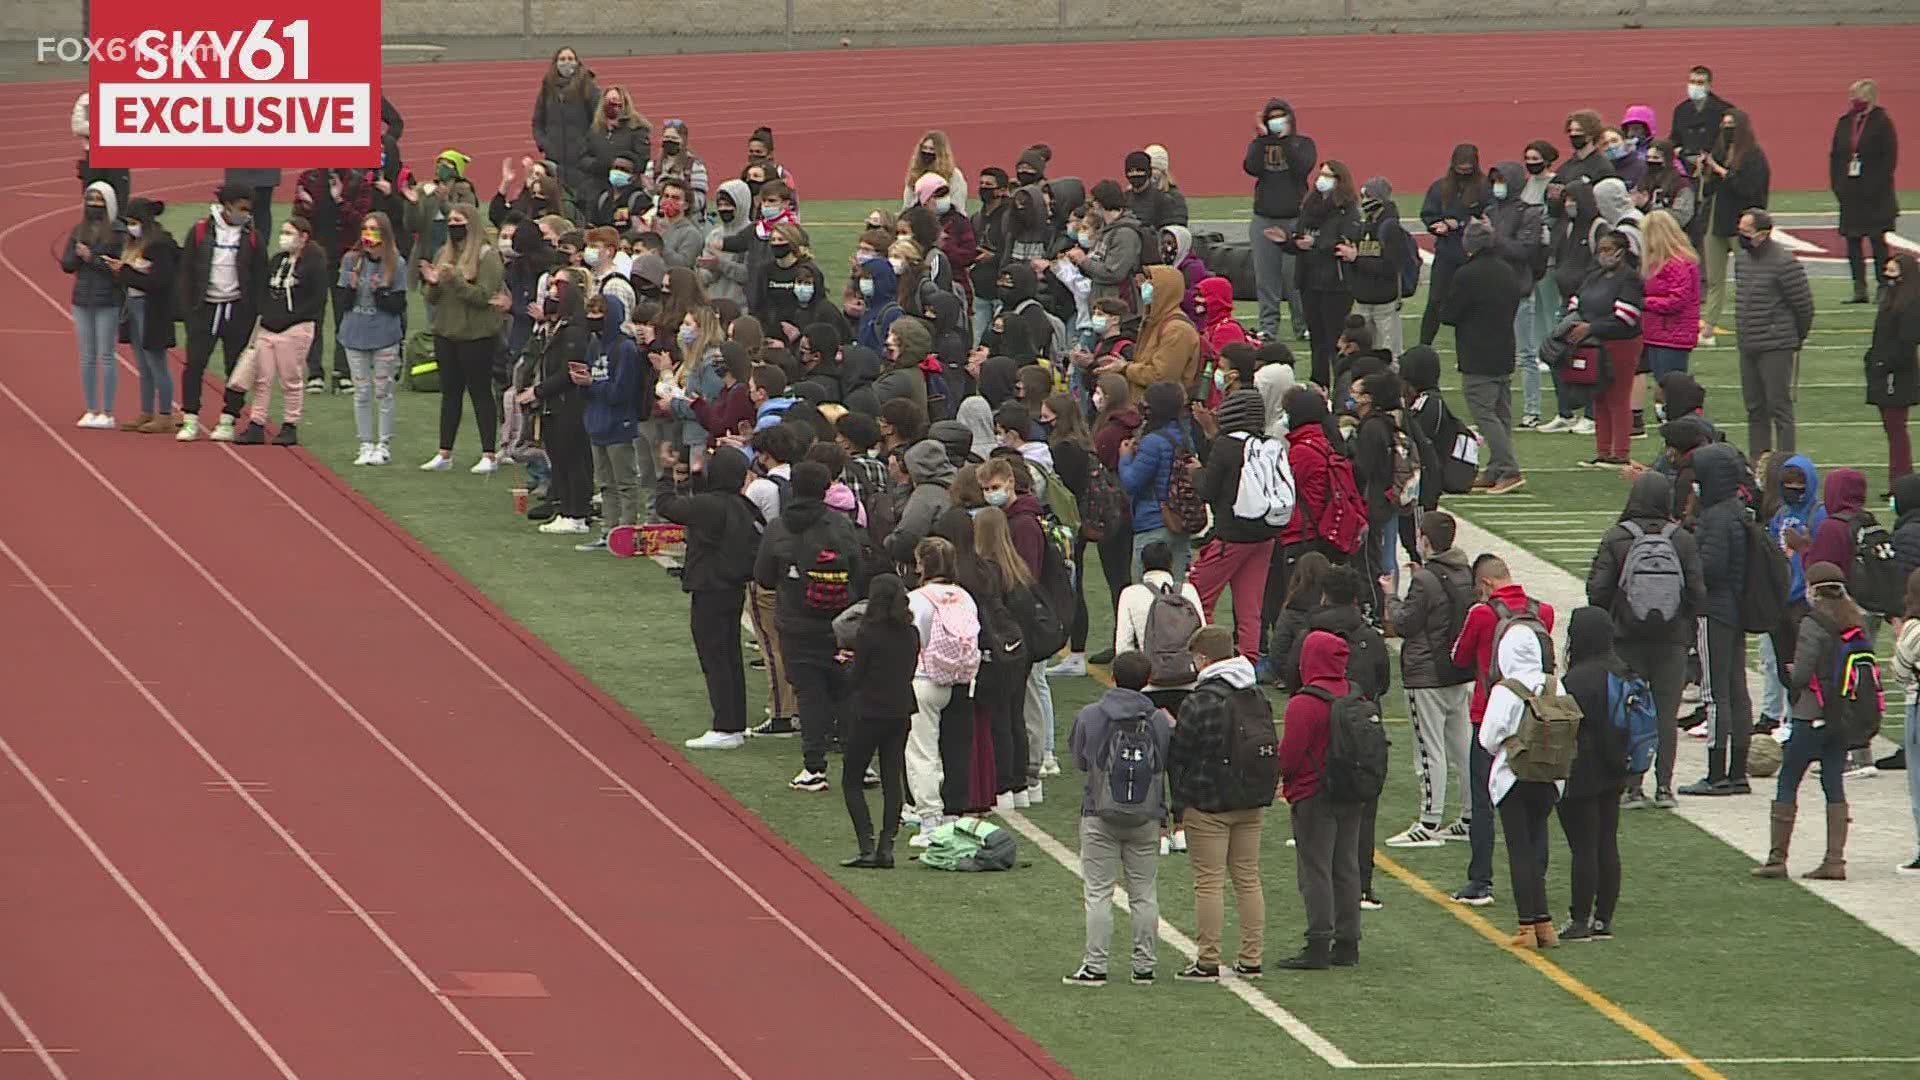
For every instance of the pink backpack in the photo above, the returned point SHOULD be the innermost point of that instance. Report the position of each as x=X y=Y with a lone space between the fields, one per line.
x=951 y=655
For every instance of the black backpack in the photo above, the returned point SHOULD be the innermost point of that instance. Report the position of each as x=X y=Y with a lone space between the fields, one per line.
x=1356 y=764
x=1874 y=579
x=825 y=565
x=1763 y=602
x=1252 y=773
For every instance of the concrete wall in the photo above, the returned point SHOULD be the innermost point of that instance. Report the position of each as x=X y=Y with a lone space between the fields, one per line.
x=701 y=25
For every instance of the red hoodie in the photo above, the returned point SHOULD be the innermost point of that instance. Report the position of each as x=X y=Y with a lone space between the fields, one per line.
x=1303 y=738
x=1221 y=330
x=1474 y=650
x=1119 y=427
x=1308 y=452
x=1029 y=539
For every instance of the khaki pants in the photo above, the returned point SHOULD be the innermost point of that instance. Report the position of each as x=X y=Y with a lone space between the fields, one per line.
x=760 y=609
x=1221 y=846
x=1719 y=256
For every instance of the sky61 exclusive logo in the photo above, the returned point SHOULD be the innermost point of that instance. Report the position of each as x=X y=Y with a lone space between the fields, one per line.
x=199 y=87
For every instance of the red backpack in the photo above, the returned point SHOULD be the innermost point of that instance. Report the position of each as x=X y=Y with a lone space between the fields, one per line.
x=1342 y=522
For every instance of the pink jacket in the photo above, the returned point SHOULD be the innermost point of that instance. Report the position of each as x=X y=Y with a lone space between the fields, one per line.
x=1671 y=315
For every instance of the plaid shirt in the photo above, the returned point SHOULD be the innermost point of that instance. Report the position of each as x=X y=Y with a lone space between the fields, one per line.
x=867 y=477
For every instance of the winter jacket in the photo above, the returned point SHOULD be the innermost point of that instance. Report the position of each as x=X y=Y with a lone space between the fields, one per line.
x=1304 y=734
x=723 y=527
x=1868 y=204
x=1091 y=727
x=1906 y=527
x=1805 y=515
x=1440 y=592
x=1145 y=475
x=1648 y=505
x=1600 y=755
x=1281 y=167
x=1696 y=126
x=1375 y=274
x=1117 y=429
x=1467 y=203
x=1810 y=647
x=462 y=309
x=1373 y=453
x=1197 y=759
x=1773 y=305
x=1720 y=531
x=613 y=395
x=1193 y=270
x=1474 y=649
x=196 y=264
x=1609 y=302
x=297 y=290
x=1218 y=482
x=562 y=126
x=1670 y=314
x=1893 y=368
x=1520 y=660
x=931 y=474
x=1318 y=269
x=1573 y=239
x=1845 y=497
x=785 y=546
x=93 y=283
x=1029 y=536
x=882 y=307
x=1480 y=307
x=599 y=146
x=1308 y=455
x=884 y=659
x=1742 y=189
x=158 y=283
x=992 y=231
x=1369 y=670
x=1116 y=258
x=1168 y=347
x=1519 y=227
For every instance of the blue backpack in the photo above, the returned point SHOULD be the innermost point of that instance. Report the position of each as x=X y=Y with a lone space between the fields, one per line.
x=1630 y=706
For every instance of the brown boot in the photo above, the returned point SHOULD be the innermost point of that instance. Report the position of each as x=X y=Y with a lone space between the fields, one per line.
x=161 y=424
x=1527 y=937
x=1833 y=866
x=1781 y=827
x=1546 y=935
x=136 y=423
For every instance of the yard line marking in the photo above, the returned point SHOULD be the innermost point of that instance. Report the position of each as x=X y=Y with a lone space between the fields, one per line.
x=1470 y=1066
x=206 y=756
x=33 y=1041
x=1240 y=988
x=1558 y=975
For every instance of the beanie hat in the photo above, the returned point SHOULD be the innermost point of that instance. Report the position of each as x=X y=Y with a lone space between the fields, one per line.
x=1138 y=161
x=1157 y=157
x=1242 y=411
x=1377 y=189
x=915 y=339
x=456 y=159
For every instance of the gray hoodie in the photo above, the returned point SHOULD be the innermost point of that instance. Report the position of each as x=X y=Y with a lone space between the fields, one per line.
x=728 y=280
x=1089 y=737
x=932 y=475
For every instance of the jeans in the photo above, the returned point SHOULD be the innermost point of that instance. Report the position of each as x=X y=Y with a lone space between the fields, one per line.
x=1526 y=355
x=1480 y=819
x=1273 y=275
x=342 y=301
x=1380 y=553
x=1245 y=568
x=1662 y=359
x=156 y=378
x=1222 y=846
x=1523 y=821
x=373 y=371
x=868 y=738
x=1805 y=745
x=713 y=616
x=1181 y=545
x=1037 y=713
x=1773 y=695
x=1766 y=389
x=98 y=331
x=1592 y=825
x=1106 y=852
x=1326 y=838
x=1384 y=320
x=1490 y=401
x=982 y=318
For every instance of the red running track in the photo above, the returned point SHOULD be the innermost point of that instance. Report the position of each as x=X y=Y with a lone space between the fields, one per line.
x=286 y=798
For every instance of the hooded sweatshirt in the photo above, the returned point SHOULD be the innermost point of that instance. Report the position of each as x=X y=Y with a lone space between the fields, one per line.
x=1805 y=514
x=723 y=527
x=1600 y=762
x=1720 y=530
x=1520 y=660
x=1616 y=208
x=1846 y=497
x=727 y=279
x=297 y=289
x=613 y=397
x=1519 y=227
x=904 y=378
x=1649 y=506
x=1906 y=529
x=1273 y=381
x=1197 y=760
x=1369 y=669
x=882 y=307
x=1303 y=739
x=1091 y=726
x=787 y=544
x=931 y=474
x=1382 y=247
x=1188 y=262
x=1430 y=618
x=1281 y=165
x=1168 y=349
x=977 y=416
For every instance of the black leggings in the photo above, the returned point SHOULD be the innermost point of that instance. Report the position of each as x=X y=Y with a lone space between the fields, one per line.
x=1437 y=292
x=1523 y=820
x=1077 y=634
x=1592 y=825
x=564 y=432
x=1003 y=691
x=466 y=367
x=866 y=737
x=1326 y=320
x=1856 y=256
x=956 y=752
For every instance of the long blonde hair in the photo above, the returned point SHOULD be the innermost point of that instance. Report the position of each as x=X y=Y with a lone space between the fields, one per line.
x=388 y=256
x=466 y=259
x=1662 y=241
x=711 y=337
x=943 y=165
x=627 y=113
x=993 y=542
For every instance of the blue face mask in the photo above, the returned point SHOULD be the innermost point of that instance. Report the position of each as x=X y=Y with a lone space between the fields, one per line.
x=803 y=293
x=866 y=287
x=619 y=177
x=1499 y=191
x=1615 y=153
x=1146 y=294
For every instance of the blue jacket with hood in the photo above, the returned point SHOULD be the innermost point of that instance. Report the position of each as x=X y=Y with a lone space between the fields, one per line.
x=1805 y=515
x=882 y=307
x=613 y=395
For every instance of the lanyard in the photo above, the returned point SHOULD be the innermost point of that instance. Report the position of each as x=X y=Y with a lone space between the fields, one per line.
x=1859 y=126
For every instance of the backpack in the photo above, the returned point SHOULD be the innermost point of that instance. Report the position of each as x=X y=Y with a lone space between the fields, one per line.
x=1105 y=505
x=1061 y=503
x=1763 y=602
x=1132 y=775
x=1171 y=624
x=1508 y=618
x=1848 y=689
x=826 y=571
x=1874 y=580
x=1405 y=490
x=937 y=395
x=951 y=655
x=1652 y=587
x=1631 y=710
x=970 y=845
x=1410 y=269
x=1266 y=491
x=1252 y=773
x=1455 y=446
x=1055 y=349
x=421 y=370
x=1425 y=487
x=1182 y=510
x=1046 y=629
x=1343 y=520
x=781 y=485
x=1356 y=765
x=1542 y=750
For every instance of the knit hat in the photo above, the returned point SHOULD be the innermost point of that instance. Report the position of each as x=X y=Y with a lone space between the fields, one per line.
x=1157 y=157
x=1242 y=411
x=1825 y=573
x=915 y=339
x=1377 y=189
x=457 y=159
x=1479 y=236
x=1138 y=161
x=649 y=268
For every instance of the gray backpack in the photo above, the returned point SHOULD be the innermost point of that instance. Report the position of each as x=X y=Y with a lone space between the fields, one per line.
x=1171 y=624
x=1652 y=586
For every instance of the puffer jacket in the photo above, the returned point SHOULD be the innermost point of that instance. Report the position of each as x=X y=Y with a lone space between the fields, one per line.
x=93 y=283
x=1809 y=656
x=1893 y=371
x=1773 y=305
x=1648 y=503
x=1146 y=474
x=1721 y=531
x=1670 y=318
x=1429 y=620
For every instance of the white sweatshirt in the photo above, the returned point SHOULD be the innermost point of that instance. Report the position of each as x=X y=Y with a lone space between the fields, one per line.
x=1520 y=661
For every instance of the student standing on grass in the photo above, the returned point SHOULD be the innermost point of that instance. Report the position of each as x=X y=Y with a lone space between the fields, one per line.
x=1735 y=178
x=466 y=292
x=613 y=392
x=1146 y=471
x=1427 y=622
x=948 y=622
x=1606 y=314
x=1774 y=312
x=1136 y=628
x=723 y=536
x=1590 y=804
x=558 y=396
x=1525 y=805
x=1720 y=640
x=374 y=276
x=1325 y=831
x=92 y=247
x=1453 y=201
x=1280 y=160
x=148 y=269
x=886 y=652
x=1481 y=302
x=1893 y=359
x=1793 y=487
x=1670 y=271
x=1241 y=548
x=290 y=310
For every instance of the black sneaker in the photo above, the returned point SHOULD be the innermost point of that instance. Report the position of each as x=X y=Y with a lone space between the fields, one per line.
x=1083 y=977
x=343 y=384
x=1635 y=799
x=1707 y=788
x=252 y=435
x=1894 y=762
x=1105 y=656
x=1143 y=978
x=1738 y=786
x=1345 y=954
x=1474 y=896
x=289 y=435
x=776 y=727
x=1206 y=973
x=757 y=664
x=1598 y=930
x=1912 y=867
x=1248 y=971
x=1576 y=930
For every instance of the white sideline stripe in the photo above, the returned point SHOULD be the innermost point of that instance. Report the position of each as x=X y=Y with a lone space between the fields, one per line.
x=33 y=1041
x=1467 y=1066
x=1259 y=1002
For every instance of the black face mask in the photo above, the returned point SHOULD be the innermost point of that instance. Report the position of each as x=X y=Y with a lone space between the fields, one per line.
x=457 y=233
x=551 y=307
x=1137 y=181
x=596 y=323
x=926 y=157
x=780 y=251
x=1465 y=173
x=1655 y=165
x=669 y=149
x=96 y=213
x=1026 y=178
x=1578 y=142
x=1535 y=168
x=1793 y=494
x=727 y=215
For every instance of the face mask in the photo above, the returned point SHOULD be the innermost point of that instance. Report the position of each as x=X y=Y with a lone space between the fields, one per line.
x=370 y=237
x=1578 y=142
x=1615 y=153
x=552 y=307
x=1793 y=494
x=781 y=252
x=566 y=68
x=613 y=110
x=1277 y=125
x=689 y=335
x=1500 y=191
x=942 y=205
x=1696 y=92
x=866 y=287
x=445 y=172
x=1858 y=106
x=1608 y=262
x=1655 y=165
x=1219 y=379
x=1025 y=178
x=1101 y=322
x=1099 y=401
x=1146 y=294
x=926 y=157
x=592 y=256
x=96 y=213
x=596 y=323
x=289 y=239
x=133 y=230
x=670 y=148
x=1083 y=239
x=999 y=497
x=899 y=265
x=769 y=211
x=1747 y=243
x=236 y=218
x=619 y=177
x=727 y=215
x=1465 y=172
x=506 y=247
x=1137 y=181
x=1323 y=184
x=1535 y=168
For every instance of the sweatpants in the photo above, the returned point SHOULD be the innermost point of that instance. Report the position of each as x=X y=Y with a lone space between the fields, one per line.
x=1523 y=823
x=924 y=763
x=1766 y=389
x=869 y=738
x=230 y=325
x=374 y=373
x=1326 y=321
x=819 y=682
x=1490 y=401
x=281 y=356
x=1723 y=693
x=1441 y=732
x=714 y=616
x=1108 y=851
x=1592 y=825
x=1613 y=406
x=1034 y=719
x=564 y=432
x=1002 y=690
x=616 y=471
x=1222 y=846
x=1326 y=847
x=466 y=368
x=761 y=606
x=1245 y=568
x=1273 y=275
x=1664 y=666
x=1384 y=321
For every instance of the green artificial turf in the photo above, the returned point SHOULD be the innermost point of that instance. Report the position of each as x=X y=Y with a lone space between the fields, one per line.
x=1723 y=965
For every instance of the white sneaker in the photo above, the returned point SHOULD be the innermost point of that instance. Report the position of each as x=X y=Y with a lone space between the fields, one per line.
x=1863 y=772
x=1050 y=766
x=437 y=463
x=923 y=838
x=1034 y=794
x=1074 y=666
x=381 y=455
x=1022 y=800
x=486 y=466
x=105 y=422
x=717 y=740
x=1555 y=426
x=1707 y=341
x=365 y=456
x=1166 y=845
x=189 y=429
x=1003 y=802
x=564 y=526
x=87 y=420
x=1179 y=839
x=1700 y=730
x=1416 y=836
x=222 y=431
x=1582 y=426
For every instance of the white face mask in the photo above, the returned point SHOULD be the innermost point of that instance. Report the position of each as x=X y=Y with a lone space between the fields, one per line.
x=289 y=239
x=1099 y=400
x=1696 y=92
x=899 y=264
x=1323 y=184
x=133 y=229
x=942 y=205
x=592 y=256
x=506 y=245
x=866 y=286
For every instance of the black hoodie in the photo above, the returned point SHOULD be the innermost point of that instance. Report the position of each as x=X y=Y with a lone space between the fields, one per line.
x=1650 y=506
x=1720 y=530
x=1281 y=165
x=1369 y=671
x=792 y=540
x=723 y=526
x=1906 y=529
x=1600 y=762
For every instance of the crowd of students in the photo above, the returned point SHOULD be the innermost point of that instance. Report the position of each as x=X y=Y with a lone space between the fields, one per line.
x=938 y=435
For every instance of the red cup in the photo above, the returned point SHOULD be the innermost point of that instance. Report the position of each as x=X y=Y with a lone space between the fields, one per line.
x=520 y=500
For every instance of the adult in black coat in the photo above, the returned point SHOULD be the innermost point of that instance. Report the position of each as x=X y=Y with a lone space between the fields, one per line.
x=616 y=131
x=1860 y=173
x=1696 y=121
x=1480 y=307
x=1893 y=366
x=563 y=114
x=1452 y=201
